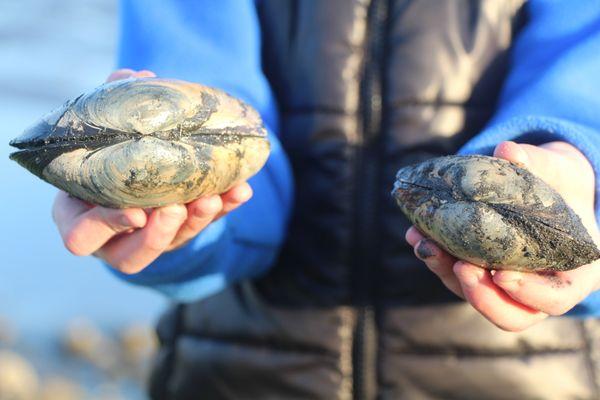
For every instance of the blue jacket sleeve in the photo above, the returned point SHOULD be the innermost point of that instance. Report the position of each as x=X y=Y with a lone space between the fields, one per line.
x=216 y=43
x=553 y=90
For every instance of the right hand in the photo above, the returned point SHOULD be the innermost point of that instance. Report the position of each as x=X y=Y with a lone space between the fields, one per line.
x=516 y=300
x=130 y=239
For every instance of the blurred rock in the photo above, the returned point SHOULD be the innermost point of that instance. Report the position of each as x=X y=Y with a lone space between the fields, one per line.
x=52 y=50
x=108 y=392
x=18 y=379
x=61 y=388
x=138 y=343
x=82 y=339
x=8 y=334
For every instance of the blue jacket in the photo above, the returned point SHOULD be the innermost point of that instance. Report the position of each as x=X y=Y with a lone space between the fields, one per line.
x=551 y=93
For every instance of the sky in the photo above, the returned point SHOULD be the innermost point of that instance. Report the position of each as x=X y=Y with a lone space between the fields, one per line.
x=51 y=51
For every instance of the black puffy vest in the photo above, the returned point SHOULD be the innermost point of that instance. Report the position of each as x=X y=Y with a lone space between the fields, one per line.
x=364 y=88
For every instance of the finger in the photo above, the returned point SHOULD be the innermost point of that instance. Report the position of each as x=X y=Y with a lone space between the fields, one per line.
x=553 y=163
x=437 y=260
x=84 y=230
x=512 y=151
x=534 y=158
x=65 y=209
x=491 y=301
x=413 y=236
x=577 y=191
x=569 y=151
x=201 y=212
x=552 y=293
x=132 y=252
x=119 y=74
x=440 y=263
x=235 y=197
x=125 y=73
x=144 y=74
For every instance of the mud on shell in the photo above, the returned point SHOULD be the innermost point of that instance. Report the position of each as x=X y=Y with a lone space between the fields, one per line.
x=493 y=213
x=145 y=143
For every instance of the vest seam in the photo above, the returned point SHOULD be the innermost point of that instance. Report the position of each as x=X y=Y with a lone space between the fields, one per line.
x=172 y=360
x=589 y=362
x=396 y=105
x=266 y=344
x=477 y=353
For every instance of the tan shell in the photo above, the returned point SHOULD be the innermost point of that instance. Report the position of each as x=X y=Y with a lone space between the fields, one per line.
x=146 y=142
x=493 y=213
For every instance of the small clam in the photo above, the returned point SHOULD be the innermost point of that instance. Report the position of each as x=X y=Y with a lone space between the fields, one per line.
x=493 y=213
x=145 y=143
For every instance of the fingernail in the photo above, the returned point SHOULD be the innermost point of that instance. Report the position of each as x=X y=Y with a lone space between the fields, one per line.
x=244 y=195
x=145 y=74
x=425 y=249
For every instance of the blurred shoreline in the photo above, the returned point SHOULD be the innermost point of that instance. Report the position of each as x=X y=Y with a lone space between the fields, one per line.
x=51 y=51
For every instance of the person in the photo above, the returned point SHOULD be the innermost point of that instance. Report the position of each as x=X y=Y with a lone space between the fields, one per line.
x=308 y=290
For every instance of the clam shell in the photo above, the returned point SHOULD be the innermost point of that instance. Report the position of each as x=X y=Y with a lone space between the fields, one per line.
x=493 y=213
x=145 y=143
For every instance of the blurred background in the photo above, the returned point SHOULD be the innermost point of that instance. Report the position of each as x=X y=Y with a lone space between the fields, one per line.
x=68 y=328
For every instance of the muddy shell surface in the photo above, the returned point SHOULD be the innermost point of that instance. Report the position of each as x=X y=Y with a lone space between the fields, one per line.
x=493 y=213
x=145 y=142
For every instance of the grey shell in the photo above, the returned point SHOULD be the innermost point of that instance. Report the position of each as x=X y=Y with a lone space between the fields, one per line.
x=144 y=143
x=493 y=213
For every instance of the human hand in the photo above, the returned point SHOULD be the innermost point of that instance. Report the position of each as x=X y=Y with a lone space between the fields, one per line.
x=516 y=300
x=130 y=239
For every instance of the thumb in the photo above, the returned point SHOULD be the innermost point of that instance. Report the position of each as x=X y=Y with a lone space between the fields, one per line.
x=535 y=159
x=563 y=167
x=548 y=160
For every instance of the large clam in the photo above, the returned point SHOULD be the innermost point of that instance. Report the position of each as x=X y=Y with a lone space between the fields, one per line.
x=493 y=213
x=144 y=143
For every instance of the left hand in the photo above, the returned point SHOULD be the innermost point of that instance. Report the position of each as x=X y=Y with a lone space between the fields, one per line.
x=516 y=300
x=132 y=238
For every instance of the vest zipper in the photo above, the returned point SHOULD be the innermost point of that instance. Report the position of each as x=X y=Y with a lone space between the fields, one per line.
x=367 y=173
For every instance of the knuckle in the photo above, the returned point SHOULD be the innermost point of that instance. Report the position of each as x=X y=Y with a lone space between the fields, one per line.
x=439 y=268
x=117 y=221
x=173 y=219
x=193 y=227
x=126 y=266
x=175 y=210
x=155 y=243
x=204 y=210
x=557 y=309
x=75 y=244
